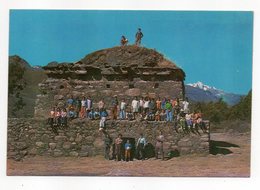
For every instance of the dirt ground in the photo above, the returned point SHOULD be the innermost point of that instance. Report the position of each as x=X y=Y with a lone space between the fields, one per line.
x=230 y=156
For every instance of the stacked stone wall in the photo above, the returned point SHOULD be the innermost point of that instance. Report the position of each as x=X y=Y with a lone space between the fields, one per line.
x=30 y=137
x=56 y=91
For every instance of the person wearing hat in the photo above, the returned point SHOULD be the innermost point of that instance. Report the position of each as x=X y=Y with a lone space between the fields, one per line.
x=138 y=36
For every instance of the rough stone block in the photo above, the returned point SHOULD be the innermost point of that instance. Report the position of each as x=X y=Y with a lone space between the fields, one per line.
x=40 y=144
x=57 y=153
x=32 y=151
x=52 y=145
x=74 y=154
x=60 y=138
x=21 y=145
x=66 y=145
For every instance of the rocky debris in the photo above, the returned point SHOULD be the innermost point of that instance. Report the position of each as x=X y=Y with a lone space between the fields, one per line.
x=124 y=63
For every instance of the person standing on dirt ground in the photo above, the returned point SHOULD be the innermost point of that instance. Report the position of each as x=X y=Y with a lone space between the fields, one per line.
x=118 y=147
x=159 y=146
x=128 y=148
x=107 y=144
x=140 y=147
x=138 y=36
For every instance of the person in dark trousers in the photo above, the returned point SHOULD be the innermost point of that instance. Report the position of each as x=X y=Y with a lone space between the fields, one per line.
x=107 y=144
x=140 y=147
x=159 y=146
x=138 y=36
x=118 y=147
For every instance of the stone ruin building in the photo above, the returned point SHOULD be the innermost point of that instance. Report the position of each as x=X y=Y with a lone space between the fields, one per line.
x=123 y=71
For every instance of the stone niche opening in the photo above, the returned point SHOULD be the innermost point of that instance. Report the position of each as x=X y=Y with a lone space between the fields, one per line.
x=131 y=85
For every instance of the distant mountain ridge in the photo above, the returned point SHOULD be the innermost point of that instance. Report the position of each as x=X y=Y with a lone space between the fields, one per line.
x=15 y=59
x=199 y=92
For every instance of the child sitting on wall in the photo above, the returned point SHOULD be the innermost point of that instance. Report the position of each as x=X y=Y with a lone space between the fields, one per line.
x=157 y=115
x=52 y=116
x=151 y=116
x=103 y=116
x=72 y=114
x=64 y=118
x=96 y=114
x=91 y=114
x=163 y=115
x=129 y=115
x=57 y=119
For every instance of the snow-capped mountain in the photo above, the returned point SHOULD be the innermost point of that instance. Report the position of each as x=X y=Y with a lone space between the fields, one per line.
x=200 y=92
x=202 y=86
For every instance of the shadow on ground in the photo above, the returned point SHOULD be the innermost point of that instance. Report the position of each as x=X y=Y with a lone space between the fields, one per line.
x=220 y=147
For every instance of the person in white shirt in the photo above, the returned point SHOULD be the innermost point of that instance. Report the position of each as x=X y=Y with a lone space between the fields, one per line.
x=141 y=105
x=135 y=106
x=122 y=114
x=146 y=104
x=83 y=108
x=185 y=105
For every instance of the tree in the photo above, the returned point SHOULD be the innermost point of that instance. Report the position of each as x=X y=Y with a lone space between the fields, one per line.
x=16 y=83
x=242 y=110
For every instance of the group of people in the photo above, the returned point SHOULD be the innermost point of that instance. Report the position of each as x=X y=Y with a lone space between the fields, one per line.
x=143 y=108
x=124 y=150
x=138 y=37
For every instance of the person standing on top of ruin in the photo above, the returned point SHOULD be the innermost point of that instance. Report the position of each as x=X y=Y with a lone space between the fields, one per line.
x=138 y=36
x=135 y=107
x=118 y=147
x=141 y=143
x=123 y=41
x=114 y=107
x=122 y=114
x=83 y=108
x=159 y=146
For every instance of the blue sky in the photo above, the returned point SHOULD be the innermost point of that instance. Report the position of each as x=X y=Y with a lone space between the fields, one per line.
x=212 y=47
